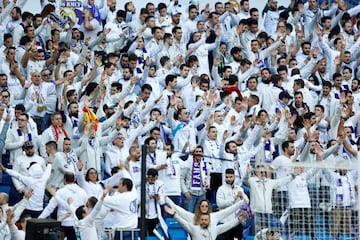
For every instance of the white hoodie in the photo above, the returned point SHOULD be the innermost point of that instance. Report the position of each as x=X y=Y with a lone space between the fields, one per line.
x=36 y=180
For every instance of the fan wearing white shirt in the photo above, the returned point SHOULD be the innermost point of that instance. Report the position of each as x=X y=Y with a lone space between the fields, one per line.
x=154 y=197
x=342 y=199
x=16 y=137
x=227 y=195
x=84 y=216
x=299 y=201
x=282 y=171
x=212 y=152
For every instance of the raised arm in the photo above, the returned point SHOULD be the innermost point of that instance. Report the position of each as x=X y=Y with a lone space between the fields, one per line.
x=188 y=216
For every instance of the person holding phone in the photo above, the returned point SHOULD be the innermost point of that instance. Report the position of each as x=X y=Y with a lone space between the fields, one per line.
x=155 y=196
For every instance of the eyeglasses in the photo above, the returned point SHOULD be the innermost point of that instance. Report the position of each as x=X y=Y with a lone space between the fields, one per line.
x=93 y=173
x=46 y=75
x=5 y=96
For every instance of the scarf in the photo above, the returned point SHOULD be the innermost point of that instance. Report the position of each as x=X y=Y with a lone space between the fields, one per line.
x=20 y=134
x=196 y=176
x=56 y=132
x=233 y=89
x=92 y=142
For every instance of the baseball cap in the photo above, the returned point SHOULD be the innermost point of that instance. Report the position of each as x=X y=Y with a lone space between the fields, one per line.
x=28 y=144
x=175 y=12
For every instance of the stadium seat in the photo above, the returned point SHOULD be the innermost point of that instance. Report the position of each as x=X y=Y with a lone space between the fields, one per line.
x=323 y=235
x=172 y=223
x=302 y=237
x=177 y=234
x=249 y=238
x=347 y=237
x=151 y=238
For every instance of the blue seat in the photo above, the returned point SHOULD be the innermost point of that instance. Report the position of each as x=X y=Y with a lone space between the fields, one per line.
x=249 y=238
x=323 y=235
x=151 y=238
x=347 y=237
x=172 y=223
x=302 y=237
x=178 y=234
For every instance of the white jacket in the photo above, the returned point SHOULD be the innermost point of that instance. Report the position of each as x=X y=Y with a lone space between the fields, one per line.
x=261 y=192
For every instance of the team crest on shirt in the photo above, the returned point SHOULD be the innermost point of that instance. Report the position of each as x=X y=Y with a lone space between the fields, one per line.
x=66 y=166
x=133 y=206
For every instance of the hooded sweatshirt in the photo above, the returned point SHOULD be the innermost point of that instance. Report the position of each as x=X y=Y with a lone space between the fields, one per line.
x=36 y=180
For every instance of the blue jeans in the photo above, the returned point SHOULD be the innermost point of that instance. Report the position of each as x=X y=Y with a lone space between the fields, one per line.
x=40 y=123
x=191 y=204
x=126 y=235
x=48 y=119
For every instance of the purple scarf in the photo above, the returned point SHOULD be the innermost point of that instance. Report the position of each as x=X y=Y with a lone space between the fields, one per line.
x=195 y=176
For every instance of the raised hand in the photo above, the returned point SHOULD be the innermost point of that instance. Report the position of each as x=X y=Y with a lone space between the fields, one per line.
x=28 y=193
x=169 y=210
x=79 y=165
x=233 y=120
x=9 y=216
x=323 y=5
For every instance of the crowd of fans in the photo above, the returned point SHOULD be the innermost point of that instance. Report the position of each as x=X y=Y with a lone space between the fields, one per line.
x=251 y=118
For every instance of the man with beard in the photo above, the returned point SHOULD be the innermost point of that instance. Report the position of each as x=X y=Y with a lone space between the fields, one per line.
x=265 y=79
x=347 y=61
x=168 y=41
x=356 y=95
x=59 y=164
x=189 y=24
x=327 y=100
x=16 y=137
x=22 y=163
x=236 y=55
x=280 y=172
x=261 y=189
x=227 y=195
x=155 y=158
x=127 y=73
x=124 y=62
x=303 y=56
x=204 y=230
x=178 y=47
x=194 y=179
x=72 y=121
x=172 y=184
x=134 y=166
